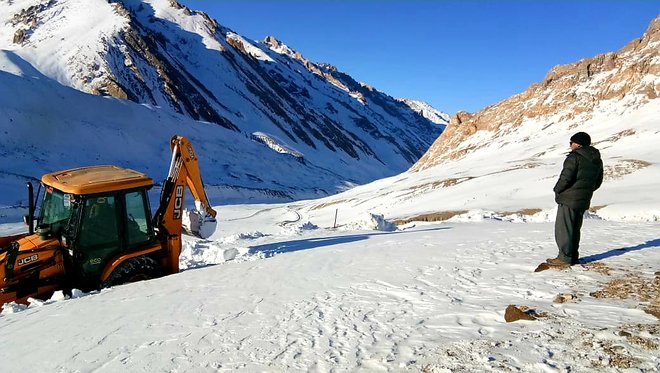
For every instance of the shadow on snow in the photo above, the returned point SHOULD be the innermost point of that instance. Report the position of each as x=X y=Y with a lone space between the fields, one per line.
x=620 y=251
x=317 y=242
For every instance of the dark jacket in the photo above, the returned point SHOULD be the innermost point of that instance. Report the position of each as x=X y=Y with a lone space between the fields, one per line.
x=581 y=176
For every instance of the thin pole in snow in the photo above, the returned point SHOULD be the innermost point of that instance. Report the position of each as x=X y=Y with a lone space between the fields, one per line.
x=335 y=225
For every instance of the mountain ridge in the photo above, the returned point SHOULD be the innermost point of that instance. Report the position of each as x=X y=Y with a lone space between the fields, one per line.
x=175 y=61
x=568 y=93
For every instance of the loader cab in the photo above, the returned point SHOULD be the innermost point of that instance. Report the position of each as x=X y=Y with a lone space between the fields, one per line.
x=98 y=212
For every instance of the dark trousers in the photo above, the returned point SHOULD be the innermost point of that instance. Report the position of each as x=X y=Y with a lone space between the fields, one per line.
x=567 y=233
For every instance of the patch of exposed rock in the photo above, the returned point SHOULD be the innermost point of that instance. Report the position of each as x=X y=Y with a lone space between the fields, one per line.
x=27 y=21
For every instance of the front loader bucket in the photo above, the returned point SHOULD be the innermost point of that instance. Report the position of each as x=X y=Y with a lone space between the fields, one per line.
x=30 y=268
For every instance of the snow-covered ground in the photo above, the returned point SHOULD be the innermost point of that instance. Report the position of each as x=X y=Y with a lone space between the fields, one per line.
x=332 y=285
x=273 y=290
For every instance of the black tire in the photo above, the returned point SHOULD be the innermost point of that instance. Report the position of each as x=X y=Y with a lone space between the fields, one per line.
x=132 y=270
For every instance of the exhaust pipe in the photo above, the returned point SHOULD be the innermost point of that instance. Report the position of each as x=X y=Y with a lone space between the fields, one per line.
x=30 y=216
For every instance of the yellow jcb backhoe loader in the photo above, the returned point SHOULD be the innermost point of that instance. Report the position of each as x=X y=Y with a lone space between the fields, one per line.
x=95 y=229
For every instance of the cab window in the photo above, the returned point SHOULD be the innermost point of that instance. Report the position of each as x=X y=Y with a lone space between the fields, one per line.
x=99 y=225
x=137 y=230
x=56 y=206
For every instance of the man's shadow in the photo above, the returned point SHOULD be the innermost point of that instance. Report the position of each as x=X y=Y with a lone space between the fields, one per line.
x=621 y=251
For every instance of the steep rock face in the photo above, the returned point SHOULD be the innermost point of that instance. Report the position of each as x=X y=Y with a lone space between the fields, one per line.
x=568 y=93
x=163 y=54
x=377 y=110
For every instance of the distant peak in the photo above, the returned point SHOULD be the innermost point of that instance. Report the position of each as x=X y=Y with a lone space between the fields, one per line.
x=176 y=5
x=272 y=41
x=328 y=67
x=427 y=111
x=281 y=48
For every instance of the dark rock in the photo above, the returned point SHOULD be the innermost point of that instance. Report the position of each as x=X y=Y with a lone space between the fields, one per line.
x=19 y=36
x=513 y=313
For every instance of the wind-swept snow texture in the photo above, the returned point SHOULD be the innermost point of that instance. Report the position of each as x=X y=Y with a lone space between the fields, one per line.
x=276 y=290
x=171 y=71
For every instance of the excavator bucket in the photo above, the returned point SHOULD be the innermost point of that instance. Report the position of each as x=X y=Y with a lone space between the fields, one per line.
x=197 y=223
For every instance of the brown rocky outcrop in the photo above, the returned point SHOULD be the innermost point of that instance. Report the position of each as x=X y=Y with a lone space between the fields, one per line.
x=515 y=313
x=569 y=90
x=29 y=18
x=175 y=4
x=110 y=87
x=270 y=40
x=211 y=23
x=19 y=36
x=237 y=43
x=322 y=69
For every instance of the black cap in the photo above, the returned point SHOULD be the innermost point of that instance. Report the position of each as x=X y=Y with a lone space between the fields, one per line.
x=581 y=138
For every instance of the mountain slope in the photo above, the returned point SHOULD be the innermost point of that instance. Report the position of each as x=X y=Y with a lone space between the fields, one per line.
x=570 y=94
x=73 y=129
x=505 y=159
x=160 y=53
x=183 y=67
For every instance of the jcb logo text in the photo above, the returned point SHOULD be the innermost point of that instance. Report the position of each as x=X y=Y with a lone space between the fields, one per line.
x=28 y=259
x=178 y=202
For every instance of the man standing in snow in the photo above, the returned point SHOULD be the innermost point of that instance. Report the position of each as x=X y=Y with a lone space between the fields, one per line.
x=581 y=176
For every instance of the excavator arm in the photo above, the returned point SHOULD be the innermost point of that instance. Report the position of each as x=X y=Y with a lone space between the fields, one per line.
x=171 y=218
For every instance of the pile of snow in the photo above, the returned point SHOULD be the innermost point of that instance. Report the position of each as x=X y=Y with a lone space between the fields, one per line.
x=480 y=215
x=58 y=296
x=197 y=254
x=298 y=228
x=368 y=221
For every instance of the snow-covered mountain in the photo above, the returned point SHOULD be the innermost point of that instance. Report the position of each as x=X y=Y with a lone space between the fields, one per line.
x=427 y=111
x=506 y=158
x=160 y=69
x=570 y=95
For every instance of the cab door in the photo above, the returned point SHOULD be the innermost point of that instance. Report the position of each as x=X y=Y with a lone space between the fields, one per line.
x=137 y=217
x=99 y=236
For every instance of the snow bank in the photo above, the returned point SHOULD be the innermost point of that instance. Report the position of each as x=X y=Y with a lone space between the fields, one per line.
x=369 y=221
x=297 y=229
x=58 y=296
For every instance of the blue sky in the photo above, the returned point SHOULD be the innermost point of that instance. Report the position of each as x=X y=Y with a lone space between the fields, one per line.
x=455 y=55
